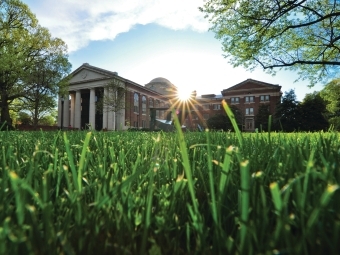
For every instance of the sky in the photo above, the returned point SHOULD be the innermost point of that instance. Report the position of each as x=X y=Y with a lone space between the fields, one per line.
x=143 y=40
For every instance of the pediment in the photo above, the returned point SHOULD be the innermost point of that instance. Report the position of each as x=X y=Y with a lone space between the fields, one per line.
x=251 y=84
x=86 y=74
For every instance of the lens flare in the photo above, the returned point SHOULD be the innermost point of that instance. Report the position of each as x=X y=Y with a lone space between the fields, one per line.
x=184 y=94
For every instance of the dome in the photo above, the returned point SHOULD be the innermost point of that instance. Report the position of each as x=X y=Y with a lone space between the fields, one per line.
x=161 y=80
x=162 y=86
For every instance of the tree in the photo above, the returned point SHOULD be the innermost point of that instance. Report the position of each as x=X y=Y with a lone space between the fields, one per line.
x=238 y=115
x=222 y=121
x=114 y=98
x=300 y=35
x=24 y=45
x=313 y=113
x=45 y=80
x=287 y=117
x=50 y=119
x=219 y=122
x=261 y=120
x=25 y=118
x=39 y=106
x=331 y=94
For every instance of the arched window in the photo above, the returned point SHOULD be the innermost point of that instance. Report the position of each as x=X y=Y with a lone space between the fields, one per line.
x=136 y=103
x=143 y=104
x=150 y=102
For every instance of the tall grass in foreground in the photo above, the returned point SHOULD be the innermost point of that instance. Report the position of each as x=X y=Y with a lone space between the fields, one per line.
x=169 y=193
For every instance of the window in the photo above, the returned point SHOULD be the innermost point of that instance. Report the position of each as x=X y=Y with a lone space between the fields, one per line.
x=249 y=99
x=160 y=112
x=156 y=104
x=205 y=116
x=235 y=100
x=264 y=98
x=150 y=102
x=136 y=103
x=206 y=107
x=250 y=111
x=143 y=123
x=144 y=105
x=217 y=107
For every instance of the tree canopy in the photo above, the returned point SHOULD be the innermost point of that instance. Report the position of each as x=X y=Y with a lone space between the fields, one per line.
x=114 y=99
x=222 y=121
x=262 y=117
x=26 y=50
x=309 y=115
x=300 y=35
x=286 y=117
x=313 y=113
x=331 y=94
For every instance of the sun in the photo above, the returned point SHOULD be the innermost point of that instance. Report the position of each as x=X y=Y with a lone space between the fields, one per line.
x=184 y=94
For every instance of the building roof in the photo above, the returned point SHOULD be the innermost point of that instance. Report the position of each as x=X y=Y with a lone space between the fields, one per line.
x=162 y=86
x=161 y=80
x=109 y=74
x=260 y=83
x=209 y=96
x=100 y=70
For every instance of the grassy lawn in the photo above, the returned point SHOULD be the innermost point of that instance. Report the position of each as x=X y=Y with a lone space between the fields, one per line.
x=169 y=193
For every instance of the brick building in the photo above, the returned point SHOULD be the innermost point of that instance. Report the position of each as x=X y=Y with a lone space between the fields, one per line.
x=87 y=85
x=247 y=96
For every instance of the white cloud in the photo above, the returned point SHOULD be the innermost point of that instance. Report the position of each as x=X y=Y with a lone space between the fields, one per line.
x=78 y=22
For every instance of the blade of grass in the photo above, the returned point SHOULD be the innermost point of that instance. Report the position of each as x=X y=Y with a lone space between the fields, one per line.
x=211 y=181
x=245 y=186
x=186 y=163
x=233 y=122
x=277 y=200
x=82 y=161
x=18 y=201
x=324 y=200
x=71 y=162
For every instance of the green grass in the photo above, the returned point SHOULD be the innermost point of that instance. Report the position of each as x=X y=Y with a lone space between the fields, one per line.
x=169 y=193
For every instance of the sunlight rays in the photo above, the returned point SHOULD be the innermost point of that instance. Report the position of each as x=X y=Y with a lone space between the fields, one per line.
x=185 y=106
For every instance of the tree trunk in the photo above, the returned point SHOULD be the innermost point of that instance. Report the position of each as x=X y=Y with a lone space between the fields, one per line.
x=35 y=116
x=5 y=109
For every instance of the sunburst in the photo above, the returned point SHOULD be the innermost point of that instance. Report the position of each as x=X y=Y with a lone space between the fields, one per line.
x=184 y=103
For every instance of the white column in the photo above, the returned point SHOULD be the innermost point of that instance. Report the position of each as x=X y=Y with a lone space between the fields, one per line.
x=110 y=114
x=92 y=113
x=77 y=110
x=110 y=119
x=66 y=121
x=72 y=109
x=105 y=111
x=59 y=111
x=119 y=118
x=114 y=119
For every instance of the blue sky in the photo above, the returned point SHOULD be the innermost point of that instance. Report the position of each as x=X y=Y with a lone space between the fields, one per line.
x=143 y=40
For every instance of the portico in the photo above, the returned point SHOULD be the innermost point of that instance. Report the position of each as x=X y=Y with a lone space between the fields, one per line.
x=88 y=85
x=86 y=88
